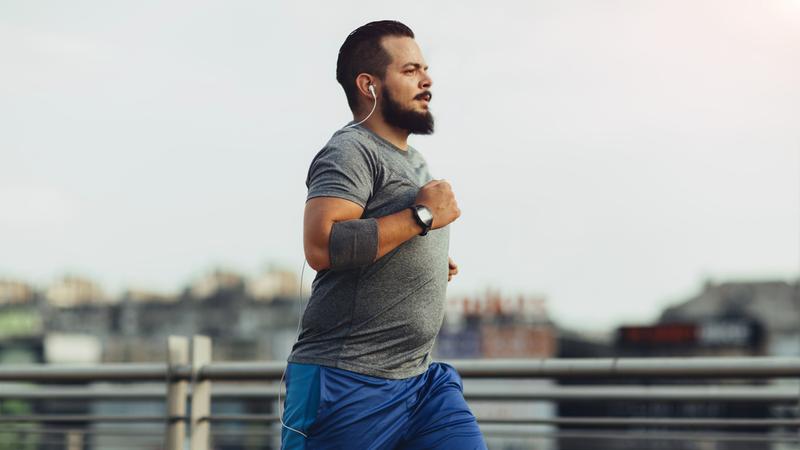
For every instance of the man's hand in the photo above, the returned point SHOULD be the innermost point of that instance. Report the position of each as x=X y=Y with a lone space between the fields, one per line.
x=438 y=197
x=453 y=269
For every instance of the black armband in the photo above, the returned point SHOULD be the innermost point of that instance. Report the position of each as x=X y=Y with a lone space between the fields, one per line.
x=353 y=243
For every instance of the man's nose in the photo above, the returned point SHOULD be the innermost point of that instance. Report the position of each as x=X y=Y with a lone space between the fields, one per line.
x=426 y=82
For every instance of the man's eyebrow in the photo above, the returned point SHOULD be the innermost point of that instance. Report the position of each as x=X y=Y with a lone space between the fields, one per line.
x=415 y=65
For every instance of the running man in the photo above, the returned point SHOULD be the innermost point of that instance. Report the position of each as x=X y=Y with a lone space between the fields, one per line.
x=376 y=231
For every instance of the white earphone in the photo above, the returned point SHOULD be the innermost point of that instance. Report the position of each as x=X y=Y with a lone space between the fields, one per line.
x=374 y=104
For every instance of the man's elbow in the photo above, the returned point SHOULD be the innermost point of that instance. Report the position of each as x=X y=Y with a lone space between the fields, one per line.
x=318 y=258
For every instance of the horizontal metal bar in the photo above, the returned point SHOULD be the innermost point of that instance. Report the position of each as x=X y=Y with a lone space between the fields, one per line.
x=55 y=442
x=266 y=431
x=518 y=432
x=726 y=367
x=243 y=418
x=137 y=432
x=92 y=372
x=765 y=394
x=615 y=435
x=271 y=370
x=572 y=421
x=650 y=436
x=645 y=422
x=579 y=421
x=127 y=393
x=86 y=418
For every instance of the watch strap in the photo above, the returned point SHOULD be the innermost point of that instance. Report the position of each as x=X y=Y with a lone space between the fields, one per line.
x=425 y=226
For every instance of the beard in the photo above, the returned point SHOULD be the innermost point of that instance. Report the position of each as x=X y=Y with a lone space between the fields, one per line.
x=412 y=121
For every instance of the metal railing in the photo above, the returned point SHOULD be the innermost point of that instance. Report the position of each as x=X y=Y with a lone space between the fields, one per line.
x=188 y=377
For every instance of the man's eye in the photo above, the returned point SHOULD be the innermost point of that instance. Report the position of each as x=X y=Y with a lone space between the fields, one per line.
x=410 y=71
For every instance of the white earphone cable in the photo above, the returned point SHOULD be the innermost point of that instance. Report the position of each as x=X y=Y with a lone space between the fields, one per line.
x=297 y=334
x=374 y=104
x=300 y=294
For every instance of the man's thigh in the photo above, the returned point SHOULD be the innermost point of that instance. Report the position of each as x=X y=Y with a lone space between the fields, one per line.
x=354 y=412
x=442 y=419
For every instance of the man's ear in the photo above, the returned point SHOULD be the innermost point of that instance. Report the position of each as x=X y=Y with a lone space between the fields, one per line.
x=367 y=85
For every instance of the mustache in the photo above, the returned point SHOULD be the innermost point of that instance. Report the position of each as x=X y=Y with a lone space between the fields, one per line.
x=423 y=94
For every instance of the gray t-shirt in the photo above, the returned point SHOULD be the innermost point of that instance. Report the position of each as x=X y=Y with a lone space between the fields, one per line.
x=381 y=319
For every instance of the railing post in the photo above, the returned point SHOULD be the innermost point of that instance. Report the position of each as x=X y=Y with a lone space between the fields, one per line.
x=74 y=440
x=201 y=394
x=177 y=354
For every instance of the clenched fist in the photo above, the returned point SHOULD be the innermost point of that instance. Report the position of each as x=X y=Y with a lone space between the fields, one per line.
x=439 y=198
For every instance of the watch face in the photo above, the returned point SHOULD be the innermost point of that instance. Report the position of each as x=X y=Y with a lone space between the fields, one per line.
x=425 y=215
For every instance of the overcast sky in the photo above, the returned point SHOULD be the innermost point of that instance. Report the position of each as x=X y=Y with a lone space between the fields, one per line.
x=608 y=155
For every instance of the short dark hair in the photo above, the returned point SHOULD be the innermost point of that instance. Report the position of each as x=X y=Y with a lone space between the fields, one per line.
x=362 y=52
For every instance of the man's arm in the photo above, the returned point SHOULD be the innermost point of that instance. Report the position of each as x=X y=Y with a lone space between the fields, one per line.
x=321 y=213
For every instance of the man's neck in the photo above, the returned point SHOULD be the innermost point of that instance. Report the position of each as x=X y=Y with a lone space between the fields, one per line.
x=397 y=136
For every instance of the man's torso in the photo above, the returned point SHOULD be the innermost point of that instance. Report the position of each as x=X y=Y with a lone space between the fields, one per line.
x=379 y=320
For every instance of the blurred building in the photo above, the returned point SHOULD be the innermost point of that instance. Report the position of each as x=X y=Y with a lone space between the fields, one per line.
x=704 y=337
x=756 y=318
x=148 y=296
x=15 y=292
x=247 y=319
x=216 y=281
x=73 y=290
x=272 y=284
x=498 y=326
x=73 y=321
x=775 y=305
x=21 y=325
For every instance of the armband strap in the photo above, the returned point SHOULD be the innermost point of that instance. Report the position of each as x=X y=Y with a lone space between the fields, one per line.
x=353 y=243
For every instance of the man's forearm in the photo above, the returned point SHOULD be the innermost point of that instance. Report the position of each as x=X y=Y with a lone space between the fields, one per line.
x=359 y=242
x=395 y=229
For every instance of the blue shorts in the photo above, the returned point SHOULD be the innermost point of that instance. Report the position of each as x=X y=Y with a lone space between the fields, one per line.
x=339 y=409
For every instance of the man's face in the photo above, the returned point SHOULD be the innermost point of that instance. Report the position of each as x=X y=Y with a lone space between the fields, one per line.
x=406 y=86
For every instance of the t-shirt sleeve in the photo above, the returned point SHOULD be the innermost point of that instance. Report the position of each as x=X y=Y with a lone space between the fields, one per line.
x=341 y=171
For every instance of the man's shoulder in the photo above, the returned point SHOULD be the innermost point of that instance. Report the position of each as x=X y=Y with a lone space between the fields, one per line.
x=351 y=137
x=350 y=143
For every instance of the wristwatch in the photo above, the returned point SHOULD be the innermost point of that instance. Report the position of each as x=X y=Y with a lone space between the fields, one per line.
x=424 y=218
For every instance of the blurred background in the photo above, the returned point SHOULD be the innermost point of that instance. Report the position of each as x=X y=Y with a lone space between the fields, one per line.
x=628 y=172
